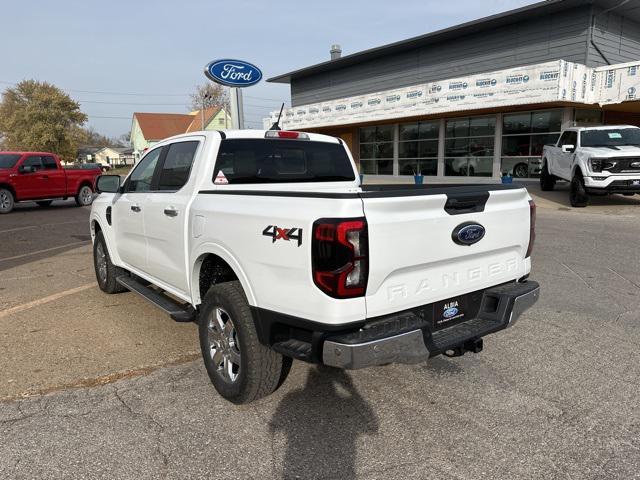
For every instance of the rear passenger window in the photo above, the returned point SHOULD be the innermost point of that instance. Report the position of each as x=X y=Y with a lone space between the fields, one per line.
x=33 y=161
x=177 y=165
x=49 y=163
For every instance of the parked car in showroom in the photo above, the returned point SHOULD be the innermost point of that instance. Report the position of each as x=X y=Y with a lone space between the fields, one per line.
x=40 y=177
x=269 y=241
x=596 y=160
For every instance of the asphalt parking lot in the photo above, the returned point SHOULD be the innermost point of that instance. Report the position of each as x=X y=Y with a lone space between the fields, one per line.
x=98 y=386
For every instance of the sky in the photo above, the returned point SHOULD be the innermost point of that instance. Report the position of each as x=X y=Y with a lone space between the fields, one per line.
x=117 y=57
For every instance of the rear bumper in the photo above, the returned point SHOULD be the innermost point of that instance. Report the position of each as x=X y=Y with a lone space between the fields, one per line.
x=406 y=338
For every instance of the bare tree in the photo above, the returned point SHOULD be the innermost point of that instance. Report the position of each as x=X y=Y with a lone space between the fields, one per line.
x=209 y=95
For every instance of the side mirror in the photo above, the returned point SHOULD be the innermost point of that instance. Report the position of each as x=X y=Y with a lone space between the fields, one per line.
x=26 y=169
x=568 y=148
x=108 y=184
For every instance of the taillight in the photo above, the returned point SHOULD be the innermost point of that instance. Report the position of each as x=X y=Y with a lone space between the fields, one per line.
x=340 y=256
x=286 y=134
x=532 y=227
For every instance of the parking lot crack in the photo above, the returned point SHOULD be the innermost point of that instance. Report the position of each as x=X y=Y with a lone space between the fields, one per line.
x=576 y=274
x=624 y=278
x=23 y=416
x=160 y=447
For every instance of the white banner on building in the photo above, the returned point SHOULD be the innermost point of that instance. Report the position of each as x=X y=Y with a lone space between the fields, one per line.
x=542 y=83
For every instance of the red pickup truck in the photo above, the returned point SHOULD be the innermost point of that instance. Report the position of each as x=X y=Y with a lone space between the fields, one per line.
x=39 y=176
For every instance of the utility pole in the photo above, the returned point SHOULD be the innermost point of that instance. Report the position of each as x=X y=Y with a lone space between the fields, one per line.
x=204 y=98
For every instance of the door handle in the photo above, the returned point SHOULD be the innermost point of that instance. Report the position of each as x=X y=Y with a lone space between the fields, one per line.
x=135 y=208
x=171 y=212
x=46 y=177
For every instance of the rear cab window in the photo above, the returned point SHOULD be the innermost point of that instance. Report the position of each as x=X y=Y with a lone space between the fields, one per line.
x=256 y=160
x=49 y=163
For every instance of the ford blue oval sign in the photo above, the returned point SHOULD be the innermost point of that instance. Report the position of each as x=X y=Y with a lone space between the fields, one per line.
x=233 y=73
x=468 y=233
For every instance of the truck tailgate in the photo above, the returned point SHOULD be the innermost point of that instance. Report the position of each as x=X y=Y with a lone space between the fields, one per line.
x=413 y=257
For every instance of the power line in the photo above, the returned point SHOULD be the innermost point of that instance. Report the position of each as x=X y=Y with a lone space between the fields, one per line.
x=146 y=94
x=132 y=103
x=117 y=118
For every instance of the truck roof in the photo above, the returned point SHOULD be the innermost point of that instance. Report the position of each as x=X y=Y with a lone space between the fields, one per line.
x=600 y=127
x=316 y=137
x=27 y=153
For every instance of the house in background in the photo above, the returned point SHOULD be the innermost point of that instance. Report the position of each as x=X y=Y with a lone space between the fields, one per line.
x=86 y=154
x=114 y=156
x=149 y=128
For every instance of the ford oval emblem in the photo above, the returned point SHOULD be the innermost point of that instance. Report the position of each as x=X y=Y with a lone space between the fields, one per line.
x=468 y=233
x=233 y=73
x=450 y=312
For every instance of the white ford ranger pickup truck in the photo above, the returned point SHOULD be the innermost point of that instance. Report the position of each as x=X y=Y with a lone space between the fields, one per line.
x=268 y=241
x=596 y=160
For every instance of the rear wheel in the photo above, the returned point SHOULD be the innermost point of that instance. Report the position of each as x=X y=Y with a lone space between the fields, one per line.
x=241 y=369
x=547 y=181
x=44 y=203
x=6 y=201
x=84 y=196
x=578 y=195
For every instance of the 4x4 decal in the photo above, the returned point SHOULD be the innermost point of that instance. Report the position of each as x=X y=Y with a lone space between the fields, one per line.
x=287 y=234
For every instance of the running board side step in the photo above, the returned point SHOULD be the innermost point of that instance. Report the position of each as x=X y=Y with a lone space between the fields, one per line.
x=176 y=311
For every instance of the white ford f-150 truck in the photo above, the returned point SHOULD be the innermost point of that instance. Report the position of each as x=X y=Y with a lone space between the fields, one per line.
x=596 y=160
x=269 y=242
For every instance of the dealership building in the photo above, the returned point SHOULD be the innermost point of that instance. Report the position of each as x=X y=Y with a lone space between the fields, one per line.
x=476 y=99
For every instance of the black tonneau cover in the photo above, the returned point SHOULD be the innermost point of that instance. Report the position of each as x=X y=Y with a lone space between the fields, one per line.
x=453 y=189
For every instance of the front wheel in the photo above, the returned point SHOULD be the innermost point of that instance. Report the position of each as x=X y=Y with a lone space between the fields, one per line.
x=547 y=181
x=521 y=170
x=241 y=369
x=84 y=197
x=7 y=201
x=106 y=271
x=578 y=195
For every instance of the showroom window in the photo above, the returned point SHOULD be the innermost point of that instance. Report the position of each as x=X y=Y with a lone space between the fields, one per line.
x=587 y=116
x=469 y=146
x=524 y=135
x=376 y=150
x=418 y=148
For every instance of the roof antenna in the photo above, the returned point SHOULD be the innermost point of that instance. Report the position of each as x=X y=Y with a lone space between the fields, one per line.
x=276 y=124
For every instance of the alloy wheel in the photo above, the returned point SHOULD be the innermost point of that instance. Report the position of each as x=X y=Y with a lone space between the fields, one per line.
x=223 y=345
x=101 y=262
x=86 y=195
x=5 y=201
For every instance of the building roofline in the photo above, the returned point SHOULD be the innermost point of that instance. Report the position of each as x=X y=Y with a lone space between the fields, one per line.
x=492 y=21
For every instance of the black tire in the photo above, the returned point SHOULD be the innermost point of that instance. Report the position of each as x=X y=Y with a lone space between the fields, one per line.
x=547 y=181
x=578 y=195
x=107 y=275
x=7 y=202
x=44 y=203
x=244 y=370
x=84 y=198
x=521 y=170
